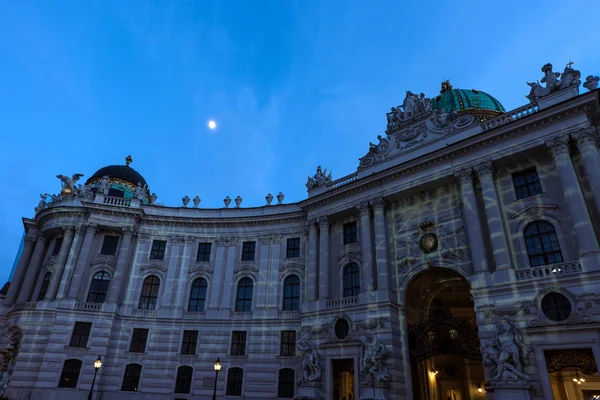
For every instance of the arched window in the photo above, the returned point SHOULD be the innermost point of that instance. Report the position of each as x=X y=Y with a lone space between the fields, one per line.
x=542 y=244
x=98 y=287
x=351 y=280
x=286 y=383
x=44 y=287
x=197 y=295
x=235 y=378
x=183 y=383
x=243 y=302
x=149 y=293
x=131 y=379
x=70 y=374
x=291 y=293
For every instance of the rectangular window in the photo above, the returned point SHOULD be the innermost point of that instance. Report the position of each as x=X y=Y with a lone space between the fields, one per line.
x=248 y=250
x=57 y=245
x=158 y=249
x=293 y=248
x=190 y=338
x=238 y=343
x=81 y=334
x=350 y=234
x=109 y=246
x=527 y=183
x=138 y=340
x=204 y=252
x=288 y=344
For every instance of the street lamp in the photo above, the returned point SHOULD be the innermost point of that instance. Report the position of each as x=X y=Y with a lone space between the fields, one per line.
x=217 y=369
x=97 y=365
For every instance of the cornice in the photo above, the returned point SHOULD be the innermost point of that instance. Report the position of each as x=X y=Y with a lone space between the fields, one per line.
x=581 y=104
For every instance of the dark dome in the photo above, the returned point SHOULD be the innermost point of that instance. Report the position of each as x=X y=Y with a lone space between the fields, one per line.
x=475 y=102
x=123 y=172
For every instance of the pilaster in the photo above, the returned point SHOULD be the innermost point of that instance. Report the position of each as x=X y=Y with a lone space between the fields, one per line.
x=366 y=248
x=323 y=257
x=32 y=269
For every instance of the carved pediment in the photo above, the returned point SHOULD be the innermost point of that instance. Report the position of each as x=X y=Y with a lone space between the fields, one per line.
x=49 y=266
x=291 y=267
x=110 y=261
x=535 y=211
x=348 y=257
x=153 y=267
x=246 y=270
x=202 y=269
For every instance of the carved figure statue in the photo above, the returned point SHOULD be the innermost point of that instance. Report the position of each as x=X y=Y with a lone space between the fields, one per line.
x=507 y=353
x=153 y=198
x=591 y=82
x=43 y=204
x=373 y=359
x=104 y=185
x=311 y=370
x=409 y=105
x=68 y=184
x=319 y=179
x=83 y=191
x=139 y=191
x=412 y=107
x=569 y=77
x=442 y=119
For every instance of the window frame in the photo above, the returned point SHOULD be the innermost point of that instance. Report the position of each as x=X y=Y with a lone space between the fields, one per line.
x=352 y=236
x=530 y=243
x=238 y=343
x=294 y=250
x=187 y=381
x=205 y=254
x=158 y=249
x=62 y=373
x=113 y=246
x=199 y=299
x=80 y=335
x=97 y=293
x=247 y=302
x=44 y=286
x=291 y=389
x=134 y=346
x=149 y=301
x=288 y=301
x=239 y=385
x=523 y=174
x=189 y=344
x=248 y=250
x=136 y=387
x=56 y=249
x=353 y=290
x=286 y=346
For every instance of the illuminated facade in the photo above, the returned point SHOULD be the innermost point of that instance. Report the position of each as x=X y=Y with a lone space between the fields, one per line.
x=461 y=260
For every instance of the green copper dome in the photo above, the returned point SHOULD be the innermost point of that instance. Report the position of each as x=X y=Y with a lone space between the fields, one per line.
x=480 y=104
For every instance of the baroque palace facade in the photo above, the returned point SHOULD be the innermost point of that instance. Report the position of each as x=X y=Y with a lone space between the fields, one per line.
x=460 y=261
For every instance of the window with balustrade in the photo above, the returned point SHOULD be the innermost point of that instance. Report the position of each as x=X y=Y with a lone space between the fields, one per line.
x=351 y=280
x=98 y=287
x=542 y=244
x=149 y=294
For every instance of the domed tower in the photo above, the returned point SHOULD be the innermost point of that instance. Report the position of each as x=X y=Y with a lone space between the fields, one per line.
x=123 y=180
x=474 y=102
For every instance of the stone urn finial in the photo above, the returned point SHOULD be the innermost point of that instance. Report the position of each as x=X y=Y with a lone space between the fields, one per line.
x=591 y=82
x=269 y=199
x=185 y=201
x=153 y=198
x=227 y=201
x=238 y=201
x=280 y=198
x=196 y=201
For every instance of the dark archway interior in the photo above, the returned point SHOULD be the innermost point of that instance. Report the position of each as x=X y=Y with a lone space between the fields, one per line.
x=443 y=339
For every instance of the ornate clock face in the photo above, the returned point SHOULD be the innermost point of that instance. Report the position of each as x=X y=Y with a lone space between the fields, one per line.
x=429 y=242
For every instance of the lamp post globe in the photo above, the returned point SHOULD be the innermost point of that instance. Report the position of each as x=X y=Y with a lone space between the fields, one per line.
x=217 y=367
x=97 y=365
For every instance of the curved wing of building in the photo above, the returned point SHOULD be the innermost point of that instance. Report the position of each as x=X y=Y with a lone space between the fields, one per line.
x=460 y=259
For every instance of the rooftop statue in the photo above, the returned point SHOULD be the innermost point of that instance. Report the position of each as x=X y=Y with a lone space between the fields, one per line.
x=68 y=184
x=554 y=81
x=318 y=179
x=412 y=107
x=507 y=353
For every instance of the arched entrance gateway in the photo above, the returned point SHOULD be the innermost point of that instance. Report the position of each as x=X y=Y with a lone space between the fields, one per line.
x=445 y=355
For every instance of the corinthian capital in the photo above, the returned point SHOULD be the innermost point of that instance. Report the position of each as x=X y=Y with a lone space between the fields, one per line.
x=585 y=137
x=363 y=209
x=91 y=228
x=485 y=169
x=323 y=222
x=128 y=231
x=558 y=145
x=378 y=204
x=464 y=176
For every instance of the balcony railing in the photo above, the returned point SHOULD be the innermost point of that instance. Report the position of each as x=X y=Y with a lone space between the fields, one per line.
x=193 y=314
x=144 y=313
x=547 y=271
x=240 y=315
x=289 y=314
x=30 y=305
x=510 y=116
x=117 y=201
x=343 y=302
x=84 y=305
x=343 y=181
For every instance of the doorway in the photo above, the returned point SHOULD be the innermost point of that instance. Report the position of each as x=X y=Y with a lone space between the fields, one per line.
x=343 y=379
x=444 y=342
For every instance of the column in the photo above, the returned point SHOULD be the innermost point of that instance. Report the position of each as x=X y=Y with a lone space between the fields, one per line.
x=494 y=215
x=584 y=231
x=69 y=268
x=118 y=280
x=82 y=261
x=587 y=144
x=15 y=283
x=323 y=257
x=313 y=277
x=32 y=270
x=65 y=248
x=381 y=252
x=465 y=178
x=365 y=246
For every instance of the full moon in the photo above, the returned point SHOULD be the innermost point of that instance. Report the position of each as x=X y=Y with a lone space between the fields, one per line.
x=212 y=124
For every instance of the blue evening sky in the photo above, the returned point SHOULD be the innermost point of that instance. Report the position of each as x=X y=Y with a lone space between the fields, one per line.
x=291 y=84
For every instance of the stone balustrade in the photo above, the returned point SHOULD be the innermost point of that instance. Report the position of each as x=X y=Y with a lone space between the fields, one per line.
x=84 y=305
x=547 y=271
x=510 y=116
x=289 y=314
x=342 y=181
x=240 y=315
x=144 y=313
x=117 y=201
x=343 y=302
x=194 y=314
x=30 y=305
